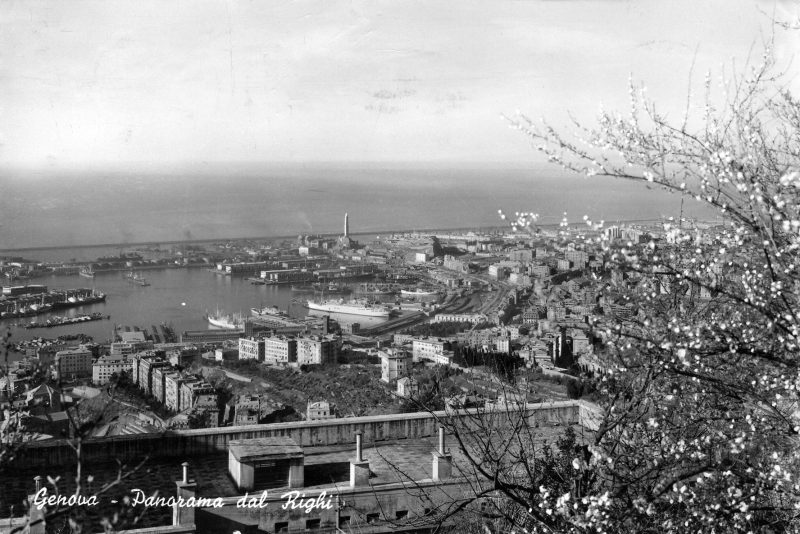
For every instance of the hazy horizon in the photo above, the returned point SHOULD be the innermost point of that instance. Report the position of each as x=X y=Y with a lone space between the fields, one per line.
x=81 y=209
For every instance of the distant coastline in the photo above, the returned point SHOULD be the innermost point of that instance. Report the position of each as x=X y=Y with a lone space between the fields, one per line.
x=323 y=234
x=257 y=238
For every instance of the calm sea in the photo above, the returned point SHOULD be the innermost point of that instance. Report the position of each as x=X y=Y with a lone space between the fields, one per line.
x=73 y=210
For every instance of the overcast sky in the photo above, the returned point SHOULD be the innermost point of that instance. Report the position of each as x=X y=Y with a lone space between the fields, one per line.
x=152 y=84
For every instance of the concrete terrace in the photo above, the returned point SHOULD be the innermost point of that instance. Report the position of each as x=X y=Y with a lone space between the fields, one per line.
x=202 y=442
x=325 y=468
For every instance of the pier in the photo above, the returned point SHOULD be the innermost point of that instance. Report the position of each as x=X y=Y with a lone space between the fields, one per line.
x=64 y=321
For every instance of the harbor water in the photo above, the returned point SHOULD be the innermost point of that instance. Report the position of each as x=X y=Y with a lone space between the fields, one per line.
x=180 y=297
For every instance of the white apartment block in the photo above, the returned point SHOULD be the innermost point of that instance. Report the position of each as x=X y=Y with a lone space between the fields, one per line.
x=407 y=386
x=395 y=363
x=251 y=348
x=432 y=349
x=502 y=344
x=280 y=349
x=315 y=350
x=474 y=318
x=105 y=366
x=321 y=410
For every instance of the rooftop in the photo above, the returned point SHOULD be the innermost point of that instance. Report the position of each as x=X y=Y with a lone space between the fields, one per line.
x=263 y=448
x=131 y=337
x=326 y=467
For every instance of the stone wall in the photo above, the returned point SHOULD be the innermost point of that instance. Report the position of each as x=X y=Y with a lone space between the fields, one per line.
x=183 y=443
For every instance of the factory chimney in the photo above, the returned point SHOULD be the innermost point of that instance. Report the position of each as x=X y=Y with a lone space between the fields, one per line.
x=346 y=226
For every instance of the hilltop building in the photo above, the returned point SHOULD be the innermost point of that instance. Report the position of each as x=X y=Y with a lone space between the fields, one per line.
x=320 y=411
x=395 y=363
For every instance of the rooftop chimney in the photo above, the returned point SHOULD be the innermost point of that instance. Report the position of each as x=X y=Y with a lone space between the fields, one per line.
x=359 y=468
x=184 y=515
x=36 y=516
x=442 y=460
x=359 y=451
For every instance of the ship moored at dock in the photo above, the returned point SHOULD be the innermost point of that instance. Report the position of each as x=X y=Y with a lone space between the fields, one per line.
x=354 y=307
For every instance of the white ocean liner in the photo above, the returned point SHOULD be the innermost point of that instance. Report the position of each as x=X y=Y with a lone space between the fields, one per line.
x=352 y=308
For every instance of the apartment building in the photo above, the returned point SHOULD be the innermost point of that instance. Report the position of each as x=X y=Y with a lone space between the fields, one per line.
x=73 y=363
x=192 y=390
x=432 y=349
x=395 y=363
x=280 y=349
x=105 y=366
x=317 y=350
x=251 y=348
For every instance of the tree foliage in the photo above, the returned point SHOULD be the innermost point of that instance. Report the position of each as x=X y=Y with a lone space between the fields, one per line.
x=698 y=428
x=503 y=364
x=699 y=424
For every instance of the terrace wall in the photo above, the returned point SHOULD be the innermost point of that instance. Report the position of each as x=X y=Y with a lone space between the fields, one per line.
x=183 y=443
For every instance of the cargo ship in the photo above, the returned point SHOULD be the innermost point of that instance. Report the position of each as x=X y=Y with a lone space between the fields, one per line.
x=227 y=321
x=26 y=307
x=355 y=307
x=41 y=307
x=79 y=297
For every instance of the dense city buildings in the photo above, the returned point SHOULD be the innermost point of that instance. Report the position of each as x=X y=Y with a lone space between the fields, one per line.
x=532 y=299
x=130 y=342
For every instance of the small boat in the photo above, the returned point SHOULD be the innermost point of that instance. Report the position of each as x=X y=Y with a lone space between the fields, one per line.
x=375 y=289
x=332 y=288
x=136 y=278
x=304 y=287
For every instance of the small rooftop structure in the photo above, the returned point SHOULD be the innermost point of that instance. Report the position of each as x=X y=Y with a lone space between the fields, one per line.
x=264 y=463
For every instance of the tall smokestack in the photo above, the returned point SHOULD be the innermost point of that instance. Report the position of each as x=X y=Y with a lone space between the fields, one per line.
x=346 y=226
